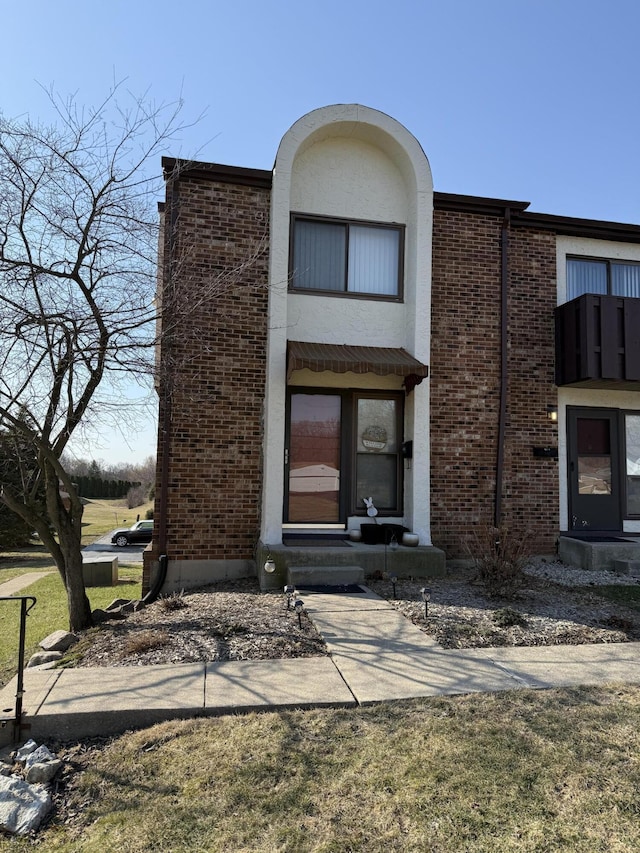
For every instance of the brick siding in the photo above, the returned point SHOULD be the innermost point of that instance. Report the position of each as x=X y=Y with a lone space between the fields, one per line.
x=465 y=380
x=218 y=325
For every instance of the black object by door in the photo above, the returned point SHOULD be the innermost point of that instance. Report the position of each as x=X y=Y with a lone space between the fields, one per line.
x=595 y=499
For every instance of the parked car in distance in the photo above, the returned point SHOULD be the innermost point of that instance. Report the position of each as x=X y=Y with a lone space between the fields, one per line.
x=139 y=532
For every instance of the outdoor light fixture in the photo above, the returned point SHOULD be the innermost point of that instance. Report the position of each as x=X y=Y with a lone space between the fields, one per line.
x=425 y=592
x=552 y=412
x=299 y=605
x=269 y=565
x=393 y=544
x=394 y=581
x=289 y=590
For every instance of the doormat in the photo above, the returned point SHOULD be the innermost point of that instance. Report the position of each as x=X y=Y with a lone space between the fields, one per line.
x=331 y=588
x=315 y=543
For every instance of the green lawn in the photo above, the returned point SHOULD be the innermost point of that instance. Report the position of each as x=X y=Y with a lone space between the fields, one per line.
x=101 y=516
x=519 y=772
x=50 y=612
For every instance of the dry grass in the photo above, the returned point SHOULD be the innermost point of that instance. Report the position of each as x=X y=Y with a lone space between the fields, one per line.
x=510 y=773
x=144 y=641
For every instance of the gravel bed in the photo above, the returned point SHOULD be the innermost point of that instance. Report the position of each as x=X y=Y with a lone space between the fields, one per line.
x=232 y=620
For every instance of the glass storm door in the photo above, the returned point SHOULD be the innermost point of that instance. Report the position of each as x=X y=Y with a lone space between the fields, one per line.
x=594 y=470
x=314 y=458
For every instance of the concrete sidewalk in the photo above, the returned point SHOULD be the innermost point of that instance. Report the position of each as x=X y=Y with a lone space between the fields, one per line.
x=375 y=655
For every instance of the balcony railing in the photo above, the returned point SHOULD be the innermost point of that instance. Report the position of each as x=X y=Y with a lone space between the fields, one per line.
x=598 y=341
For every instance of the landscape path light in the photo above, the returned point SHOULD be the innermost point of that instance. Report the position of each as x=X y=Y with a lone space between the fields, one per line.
x=394 y=581
x=393 y=544
x=425 y=592
x=299 y=606
x=289 y=591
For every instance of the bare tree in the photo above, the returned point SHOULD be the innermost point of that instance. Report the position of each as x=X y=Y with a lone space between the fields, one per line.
x=78 y=241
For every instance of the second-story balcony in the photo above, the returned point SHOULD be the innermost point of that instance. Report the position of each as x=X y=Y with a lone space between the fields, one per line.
x=598 y=342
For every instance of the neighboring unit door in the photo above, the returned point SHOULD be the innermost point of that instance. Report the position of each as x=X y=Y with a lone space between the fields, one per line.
x=595 y=497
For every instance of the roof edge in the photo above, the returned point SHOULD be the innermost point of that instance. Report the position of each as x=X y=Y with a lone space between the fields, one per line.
x=571 y=226
x=173 y=166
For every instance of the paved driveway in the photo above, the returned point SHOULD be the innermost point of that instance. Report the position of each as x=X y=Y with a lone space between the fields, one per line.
x=102 y=547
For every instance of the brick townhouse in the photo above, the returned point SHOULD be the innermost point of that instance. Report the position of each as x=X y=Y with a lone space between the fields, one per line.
x=335 y=330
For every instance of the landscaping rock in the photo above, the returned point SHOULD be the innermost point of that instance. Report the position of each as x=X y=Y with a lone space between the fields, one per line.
x=20 y=755
x=43 y=657
x=59 y=641
x=41 y=765
x=99 y=615
x=23 y=807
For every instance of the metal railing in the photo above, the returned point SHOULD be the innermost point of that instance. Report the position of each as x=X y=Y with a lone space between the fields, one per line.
x=17 y=723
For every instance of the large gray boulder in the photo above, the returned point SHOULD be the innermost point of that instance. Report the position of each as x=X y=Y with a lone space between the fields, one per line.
x=23 y=807
x=38 y=658
x=59 y=641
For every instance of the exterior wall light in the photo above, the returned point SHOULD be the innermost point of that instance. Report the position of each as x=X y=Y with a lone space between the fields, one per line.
x=552 y=412
x=269 y=565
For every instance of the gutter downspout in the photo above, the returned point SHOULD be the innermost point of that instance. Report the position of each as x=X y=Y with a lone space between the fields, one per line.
x=163 y=562
x=504 y=361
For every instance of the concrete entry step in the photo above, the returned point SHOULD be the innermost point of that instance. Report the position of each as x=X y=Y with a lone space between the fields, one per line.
x=599 y=554
x=627 y=567
x=324 y=575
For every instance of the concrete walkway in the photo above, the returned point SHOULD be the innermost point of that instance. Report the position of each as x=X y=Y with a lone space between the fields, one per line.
x=17 y=584
x=376 y=655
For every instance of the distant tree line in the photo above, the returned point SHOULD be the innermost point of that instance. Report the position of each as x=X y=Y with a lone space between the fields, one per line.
x=98 y=487
x=96 y=480
x=19 y=470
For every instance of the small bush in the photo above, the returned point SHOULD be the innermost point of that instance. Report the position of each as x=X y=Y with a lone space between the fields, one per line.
x=149 y=514
x=505 y=617
x=173 y=601
x=136 y=496
x=499 y=554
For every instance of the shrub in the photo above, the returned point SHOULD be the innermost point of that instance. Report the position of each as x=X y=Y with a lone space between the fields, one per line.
x=499 y=554
x=505 y=617
x=173 y=601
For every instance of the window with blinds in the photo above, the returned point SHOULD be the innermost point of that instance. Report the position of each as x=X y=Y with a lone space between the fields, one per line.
x=615 y=278
x=345 y=257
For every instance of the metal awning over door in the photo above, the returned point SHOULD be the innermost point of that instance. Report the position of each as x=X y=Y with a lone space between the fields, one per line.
x=343 y=358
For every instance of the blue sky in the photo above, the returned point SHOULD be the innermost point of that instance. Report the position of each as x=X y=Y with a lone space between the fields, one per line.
x=533 y=100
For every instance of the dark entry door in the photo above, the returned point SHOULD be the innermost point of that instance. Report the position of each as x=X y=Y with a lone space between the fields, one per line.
x=314 y=458
x=594 y=470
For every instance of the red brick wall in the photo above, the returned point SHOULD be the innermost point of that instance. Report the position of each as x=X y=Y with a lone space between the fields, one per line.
x=465 y=380
x=217 y=349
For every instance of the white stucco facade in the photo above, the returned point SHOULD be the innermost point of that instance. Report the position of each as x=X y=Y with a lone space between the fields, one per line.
x=351 y=162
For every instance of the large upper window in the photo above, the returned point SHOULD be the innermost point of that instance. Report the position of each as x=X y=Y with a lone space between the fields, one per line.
x=341 y=256
x=617 y=278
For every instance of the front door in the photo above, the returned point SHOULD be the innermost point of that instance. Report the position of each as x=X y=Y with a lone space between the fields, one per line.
x=595 y=488
x=314 y=458
x=342 y=446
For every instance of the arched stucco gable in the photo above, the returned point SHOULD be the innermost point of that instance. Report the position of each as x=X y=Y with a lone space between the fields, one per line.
x=355 y=163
